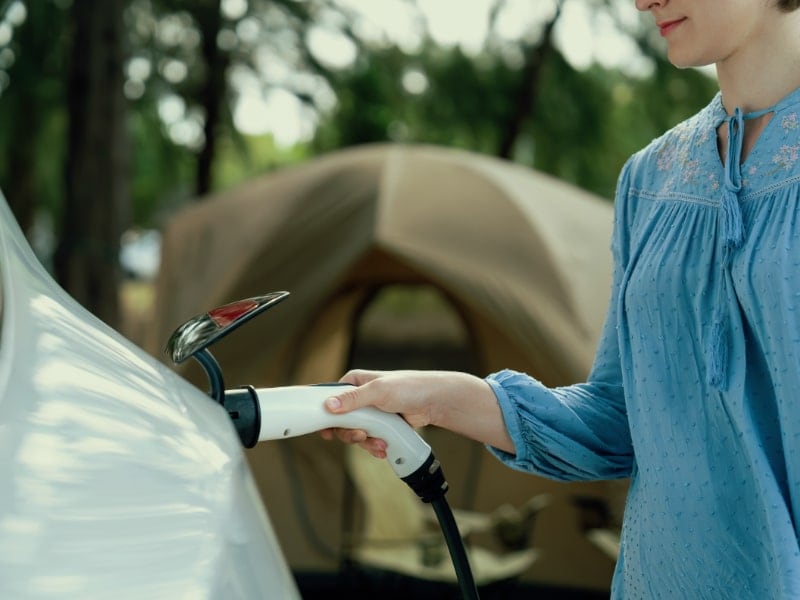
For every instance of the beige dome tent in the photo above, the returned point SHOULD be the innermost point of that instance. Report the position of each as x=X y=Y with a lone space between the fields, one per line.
x=518 y=260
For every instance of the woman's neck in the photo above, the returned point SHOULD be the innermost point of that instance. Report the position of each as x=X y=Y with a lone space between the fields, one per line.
x=765 y=69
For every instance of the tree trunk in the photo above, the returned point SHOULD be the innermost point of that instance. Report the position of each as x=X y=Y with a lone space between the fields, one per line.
x=34 y=95
x=525 y=101
x=213 y=90
x=97 y=201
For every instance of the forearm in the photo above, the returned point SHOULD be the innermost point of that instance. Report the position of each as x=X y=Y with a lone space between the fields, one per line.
x=459 y=402
x=466 y=405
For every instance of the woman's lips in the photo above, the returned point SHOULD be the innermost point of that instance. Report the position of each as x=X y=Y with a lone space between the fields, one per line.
x=666 y=26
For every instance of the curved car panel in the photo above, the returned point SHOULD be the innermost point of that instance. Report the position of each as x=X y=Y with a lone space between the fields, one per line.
x=118 y=477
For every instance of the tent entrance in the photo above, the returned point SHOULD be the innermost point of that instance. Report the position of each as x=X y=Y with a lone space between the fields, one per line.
x=410 y=326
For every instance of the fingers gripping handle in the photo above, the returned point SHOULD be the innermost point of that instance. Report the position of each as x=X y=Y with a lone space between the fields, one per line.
x=297 y=410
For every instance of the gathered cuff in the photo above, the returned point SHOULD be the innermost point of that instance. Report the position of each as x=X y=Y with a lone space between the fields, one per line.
x=509 y=407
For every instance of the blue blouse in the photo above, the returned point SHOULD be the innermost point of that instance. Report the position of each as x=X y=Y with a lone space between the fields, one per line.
x=695 y=389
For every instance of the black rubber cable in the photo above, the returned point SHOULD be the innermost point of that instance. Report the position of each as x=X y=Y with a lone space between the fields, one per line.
x=455 y=545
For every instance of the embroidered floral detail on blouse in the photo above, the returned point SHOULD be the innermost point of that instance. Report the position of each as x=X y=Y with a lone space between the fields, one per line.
x=786 y=157
x=676 y=154
x=702 y=138
x=752 y=170
x=790 y=122
x=690 y=170
x=664 y=158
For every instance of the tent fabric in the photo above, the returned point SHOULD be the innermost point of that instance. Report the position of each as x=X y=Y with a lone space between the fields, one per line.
x=522 y=257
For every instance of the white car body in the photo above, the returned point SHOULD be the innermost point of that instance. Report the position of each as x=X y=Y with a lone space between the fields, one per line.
x=118 y=479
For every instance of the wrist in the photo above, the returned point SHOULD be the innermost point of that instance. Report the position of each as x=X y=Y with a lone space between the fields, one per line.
x=463 y=395
x=470 y=408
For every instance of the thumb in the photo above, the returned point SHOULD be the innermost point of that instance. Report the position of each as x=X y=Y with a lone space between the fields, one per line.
x=353 y=397
x=344 y=401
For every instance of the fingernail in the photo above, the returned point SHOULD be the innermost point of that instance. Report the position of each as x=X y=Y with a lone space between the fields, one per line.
x=333 y=403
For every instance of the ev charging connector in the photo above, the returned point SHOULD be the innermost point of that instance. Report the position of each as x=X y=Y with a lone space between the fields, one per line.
x=260 y=414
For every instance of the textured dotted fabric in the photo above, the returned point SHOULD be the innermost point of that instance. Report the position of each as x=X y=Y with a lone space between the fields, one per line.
x=695 y=388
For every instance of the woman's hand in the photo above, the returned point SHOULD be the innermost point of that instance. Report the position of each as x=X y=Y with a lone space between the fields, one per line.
x=460 y=402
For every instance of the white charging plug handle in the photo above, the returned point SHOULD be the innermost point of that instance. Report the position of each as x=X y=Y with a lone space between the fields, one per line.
x=297 y=410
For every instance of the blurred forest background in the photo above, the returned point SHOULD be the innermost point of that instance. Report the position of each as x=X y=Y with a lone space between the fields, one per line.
x=114 y=113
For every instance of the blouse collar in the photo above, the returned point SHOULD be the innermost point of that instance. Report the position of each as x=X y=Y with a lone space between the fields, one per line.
x=719 y=114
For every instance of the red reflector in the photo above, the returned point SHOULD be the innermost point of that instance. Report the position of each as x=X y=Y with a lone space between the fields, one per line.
x=225 y=315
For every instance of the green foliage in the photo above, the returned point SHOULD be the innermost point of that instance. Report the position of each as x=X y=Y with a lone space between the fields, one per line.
x=667 y=97
x=581 y=127
x=161 y=172
x=32 y=107
x=259 y=155
x=570 y=126
x=464 y=100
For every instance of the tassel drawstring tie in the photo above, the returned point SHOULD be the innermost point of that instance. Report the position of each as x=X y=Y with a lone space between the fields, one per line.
x=732 y=234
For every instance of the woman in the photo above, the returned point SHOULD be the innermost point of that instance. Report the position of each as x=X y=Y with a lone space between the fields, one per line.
x=695 y=389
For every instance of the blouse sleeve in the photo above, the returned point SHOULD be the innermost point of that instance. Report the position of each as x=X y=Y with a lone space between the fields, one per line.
x=577 y=432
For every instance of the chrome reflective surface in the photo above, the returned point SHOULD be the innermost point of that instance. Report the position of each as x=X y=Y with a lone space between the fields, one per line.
x=119 y=478
x=203 y=330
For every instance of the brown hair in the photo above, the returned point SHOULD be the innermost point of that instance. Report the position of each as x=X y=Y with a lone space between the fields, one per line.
x=788 y=5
